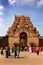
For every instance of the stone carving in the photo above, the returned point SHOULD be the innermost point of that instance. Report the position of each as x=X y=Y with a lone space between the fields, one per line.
x=23 y=24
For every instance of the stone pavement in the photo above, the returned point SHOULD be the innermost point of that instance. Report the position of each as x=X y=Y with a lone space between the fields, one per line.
x=26 y=58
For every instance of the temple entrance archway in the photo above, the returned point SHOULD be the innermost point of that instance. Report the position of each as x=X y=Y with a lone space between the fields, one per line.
x=23 y=39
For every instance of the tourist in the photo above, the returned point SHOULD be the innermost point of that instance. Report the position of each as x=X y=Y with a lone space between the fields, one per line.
x=34 y=48
x=15 y=51
x=37 y=50
x=7 y=52
x=25 y=48
x=30 y=49
x=1 y=50
x=18 y=51
x=12 y=49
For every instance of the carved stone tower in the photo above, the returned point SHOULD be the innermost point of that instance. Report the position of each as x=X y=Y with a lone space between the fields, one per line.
x=23 y=32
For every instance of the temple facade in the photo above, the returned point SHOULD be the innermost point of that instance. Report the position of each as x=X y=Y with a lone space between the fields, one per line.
x=23 y=32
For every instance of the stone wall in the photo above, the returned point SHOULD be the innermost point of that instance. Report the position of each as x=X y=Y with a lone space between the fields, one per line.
x=41 y=41
x=3 y=41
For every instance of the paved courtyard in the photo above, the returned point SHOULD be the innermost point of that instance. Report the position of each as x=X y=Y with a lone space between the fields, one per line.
x=26 y=58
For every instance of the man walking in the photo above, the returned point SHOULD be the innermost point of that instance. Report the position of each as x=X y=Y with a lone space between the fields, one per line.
x=18 y=51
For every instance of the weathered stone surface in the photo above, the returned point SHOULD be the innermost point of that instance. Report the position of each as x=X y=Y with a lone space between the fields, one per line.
x=23 y=29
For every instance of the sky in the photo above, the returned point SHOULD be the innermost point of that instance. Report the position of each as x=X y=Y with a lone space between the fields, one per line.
x=10 y=8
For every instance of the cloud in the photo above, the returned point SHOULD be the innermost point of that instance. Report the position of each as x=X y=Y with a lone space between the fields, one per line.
x=2 y=29
x=1 y=7
x=0 y=24
x=34 y=3
x=1 y=19
x=11 y=1
x=1 y=13
x=26 y=2
x=39 y=3
x=23 y=2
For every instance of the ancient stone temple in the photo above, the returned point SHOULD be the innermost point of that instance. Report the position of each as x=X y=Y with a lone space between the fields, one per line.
x=23 y=32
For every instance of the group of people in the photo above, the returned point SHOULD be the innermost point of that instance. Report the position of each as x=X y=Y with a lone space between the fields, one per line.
x=15 y=50
x=32 y=49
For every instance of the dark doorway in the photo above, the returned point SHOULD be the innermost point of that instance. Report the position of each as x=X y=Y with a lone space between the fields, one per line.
x=23 y=39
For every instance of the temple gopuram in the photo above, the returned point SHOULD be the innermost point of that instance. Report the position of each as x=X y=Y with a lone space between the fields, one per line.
x=23 y=32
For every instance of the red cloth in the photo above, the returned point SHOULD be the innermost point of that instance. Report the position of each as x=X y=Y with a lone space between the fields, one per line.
x=6 y=48
x=34 y=49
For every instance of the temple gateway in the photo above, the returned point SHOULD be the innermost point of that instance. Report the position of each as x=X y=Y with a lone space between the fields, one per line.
x=23 y=32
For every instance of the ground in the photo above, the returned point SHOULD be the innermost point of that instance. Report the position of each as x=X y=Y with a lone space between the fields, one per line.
x=26 y=58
